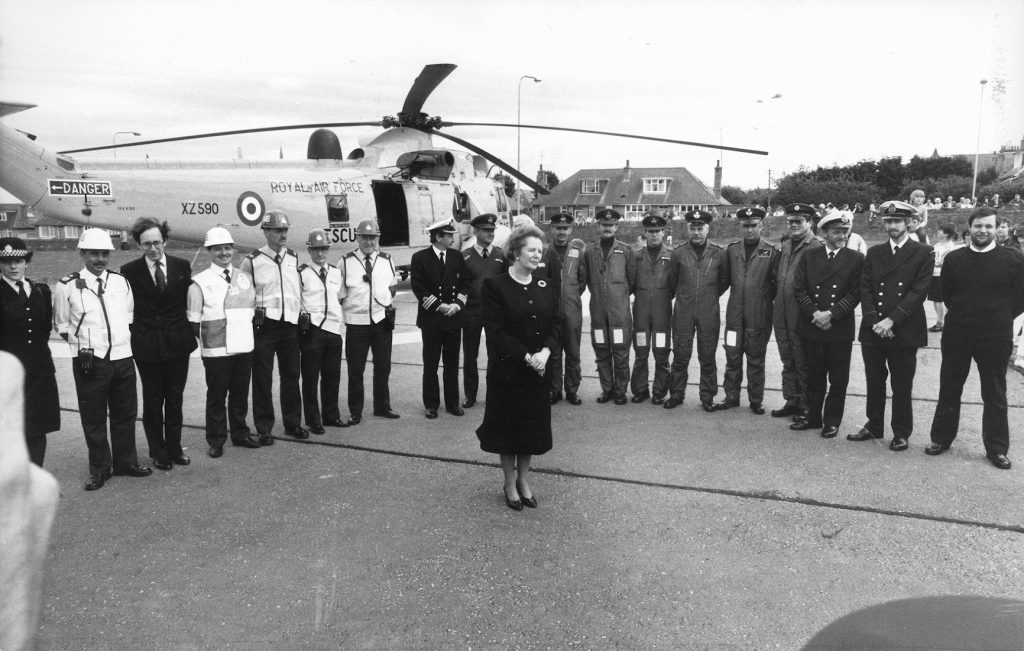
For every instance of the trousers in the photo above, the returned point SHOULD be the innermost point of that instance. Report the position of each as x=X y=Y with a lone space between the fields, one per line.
x=752 y=343
x=282 y=339
x=163 y=387
x=108 y=386
x=899 y=365
x=360 y=340
x=441 y=346
x=828 y=366
x=227 y=378
x=321 y=368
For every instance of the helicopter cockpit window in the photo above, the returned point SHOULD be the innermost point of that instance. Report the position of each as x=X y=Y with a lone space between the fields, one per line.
x=337 y=208
x=65 y=163
x=433 y=165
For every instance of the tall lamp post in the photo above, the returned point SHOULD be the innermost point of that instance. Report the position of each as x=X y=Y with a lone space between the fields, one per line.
x=977 y=145
x=519 y=111
x=124 y=133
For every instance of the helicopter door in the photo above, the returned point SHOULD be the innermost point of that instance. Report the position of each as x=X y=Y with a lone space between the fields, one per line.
x=392 y=213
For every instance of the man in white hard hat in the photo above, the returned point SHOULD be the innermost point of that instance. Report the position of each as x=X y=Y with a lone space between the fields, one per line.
x=320 y=335
x=275 y=272
x=221 y=303
x=92 y=310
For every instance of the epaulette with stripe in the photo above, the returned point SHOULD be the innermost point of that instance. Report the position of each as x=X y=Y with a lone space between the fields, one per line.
x=71 y=276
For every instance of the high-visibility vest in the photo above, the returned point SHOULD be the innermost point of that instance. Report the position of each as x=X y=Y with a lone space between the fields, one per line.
x=363 y=300
x=224 y=313
x=276 y=276
x=320 y=297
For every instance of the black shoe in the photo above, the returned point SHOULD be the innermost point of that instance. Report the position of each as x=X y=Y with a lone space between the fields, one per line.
x=216 y=451
x=431 y=414
x=707 y=405
x=899 y=444
x=864 y=434
x=355 y=419
x=643 y=396
x=96 y=481
x=556 y=397
x=456 y=411
x=162 y=464
x=134 y=471
x=672 y=403
x=317 y=429
x=620 y=400
x=935 y=328
x=802 y=415
x=181 y=460
x=757 y=408
x=527 y=501
x=657 y=400
x=998 y=460
x=573 y=399
x=787 y=410
x=934 y=449
x=727 y=404
x=266 y=438
x=299 y=433
x=829 y=431
x=515 y=505
x=604 y=397
x=804 y=425
x=335 y=422
x=469 y=402
x=385 y=414
x=248 y=442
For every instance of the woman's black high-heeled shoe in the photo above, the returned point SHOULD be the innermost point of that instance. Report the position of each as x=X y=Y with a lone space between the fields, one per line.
x=527 y=501
x=515 y=505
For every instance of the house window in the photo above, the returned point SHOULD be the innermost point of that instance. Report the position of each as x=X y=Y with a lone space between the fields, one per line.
x=591 y=186
x=634 y=212
x=47 y=232
x=578 y=216
x=6 y=232
x=72 y=232
x=655 y=186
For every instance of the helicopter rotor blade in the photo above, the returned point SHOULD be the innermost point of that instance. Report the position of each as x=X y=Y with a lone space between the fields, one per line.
x=432 y=75
x=533 y=185
x=608 y=133
x=218 y=134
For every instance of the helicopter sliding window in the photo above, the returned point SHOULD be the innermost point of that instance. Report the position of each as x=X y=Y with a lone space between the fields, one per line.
x=337 y=209
x=66 y=164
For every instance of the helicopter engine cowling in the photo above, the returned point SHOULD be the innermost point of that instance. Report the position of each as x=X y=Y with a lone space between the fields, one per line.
x=323 y=145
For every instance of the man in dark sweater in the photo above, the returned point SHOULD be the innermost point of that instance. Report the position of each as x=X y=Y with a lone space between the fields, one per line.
x=983 y=285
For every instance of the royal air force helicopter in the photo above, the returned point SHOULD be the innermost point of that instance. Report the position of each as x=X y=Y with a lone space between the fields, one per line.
x=402 y=179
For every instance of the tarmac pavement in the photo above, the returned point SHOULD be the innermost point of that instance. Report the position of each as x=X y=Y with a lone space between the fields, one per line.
x=656 y=529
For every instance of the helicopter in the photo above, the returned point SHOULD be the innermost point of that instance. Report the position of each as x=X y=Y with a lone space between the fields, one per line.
x=401 y=179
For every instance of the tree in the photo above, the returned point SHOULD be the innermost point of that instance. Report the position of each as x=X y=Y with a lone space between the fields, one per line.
x=552 y=179
x=733 y=194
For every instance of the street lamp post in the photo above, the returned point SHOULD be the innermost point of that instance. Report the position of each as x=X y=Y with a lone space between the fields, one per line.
x=977 y=146
x=519 y=111
x=124 y=133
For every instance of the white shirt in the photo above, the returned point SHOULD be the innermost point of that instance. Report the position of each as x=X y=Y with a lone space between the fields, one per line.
x=152 y=267
x=898 y=245
x=991 y=245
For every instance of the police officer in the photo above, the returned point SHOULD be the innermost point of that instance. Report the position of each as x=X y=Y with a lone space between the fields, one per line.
x=698 y=275
x=786 y=312
x=483 y=260
x=560 y=263
x=92 y=311
x=652 y=311
x=26 y=315
x=368 y=280
x=752 y=263
x=609 y=270
x=320 y=335
x=441 y=285
x=275 y=272
x=826 y=285
x=221 y=304
x=897 y=274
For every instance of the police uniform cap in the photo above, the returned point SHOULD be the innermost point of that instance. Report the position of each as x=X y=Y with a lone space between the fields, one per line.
x=800 y=210
x=275 y=219
x=897 y=210
x=442 y=226
x=95 y=239
x=750 y=214
x=702 y=216
x=608 y=215
x=486 y=221
x=653 y=221
x=837 y=219
x=317 y=239
x=561 y=219
x=14 y=248
x=367 y=227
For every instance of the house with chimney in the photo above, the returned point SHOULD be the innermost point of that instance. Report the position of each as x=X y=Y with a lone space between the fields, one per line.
x=633 y=191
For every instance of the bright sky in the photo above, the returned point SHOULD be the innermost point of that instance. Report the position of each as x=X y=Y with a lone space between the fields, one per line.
x=857 y=80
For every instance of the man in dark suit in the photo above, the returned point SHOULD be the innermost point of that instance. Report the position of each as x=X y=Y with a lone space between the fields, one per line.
x=893 y=288
x=441 y=286
x=827 y=286
x=162 y=339
x=483 y=260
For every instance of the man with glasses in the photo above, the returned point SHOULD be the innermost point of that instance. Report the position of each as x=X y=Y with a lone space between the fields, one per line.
x=162 y=339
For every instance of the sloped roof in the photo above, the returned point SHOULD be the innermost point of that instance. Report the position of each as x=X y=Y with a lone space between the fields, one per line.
x=683 y=188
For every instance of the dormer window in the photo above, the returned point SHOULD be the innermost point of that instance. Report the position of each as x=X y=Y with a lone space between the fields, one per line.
x=655 y=186
x=592 y=186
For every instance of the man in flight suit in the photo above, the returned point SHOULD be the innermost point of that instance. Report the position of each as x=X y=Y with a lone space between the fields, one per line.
x=786 y=315
x=652 y=312
x=698 y=275
x=752 y=263
x=483 y=260
x=561 y=264
x=610 y=273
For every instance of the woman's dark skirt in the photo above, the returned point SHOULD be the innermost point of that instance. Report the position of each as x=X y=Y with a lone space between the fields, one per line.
x=517 y=420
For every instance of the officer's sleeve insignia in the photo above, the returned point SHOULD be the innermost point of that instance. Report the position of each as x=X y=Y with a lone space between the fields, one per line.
x=574 y=253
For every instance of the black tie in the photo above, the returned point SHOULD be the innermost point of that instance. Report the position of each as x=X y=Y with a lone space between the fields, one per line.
x=99 y=285
x=895 y=250
x=323 y=274
x=277 y=259
x=369 y=267
x=227 y=276
x=442 y=258
x=21 y=289
x=831 y=256
x=485 y=253
x=161 y=280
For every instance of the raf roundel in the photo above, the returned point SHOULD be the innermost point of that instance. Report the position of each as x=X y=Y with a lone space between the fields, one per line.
x=251 y=208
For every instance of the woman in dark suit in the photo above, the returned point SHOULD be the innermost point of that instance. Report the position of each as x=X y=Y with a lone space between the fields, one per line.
x=520 y=314
x=26 y=318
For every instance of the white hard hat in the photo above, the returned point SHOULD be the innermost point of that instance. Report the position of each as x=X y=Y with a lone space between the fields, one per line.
x=95 y=239
x=218 y=235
